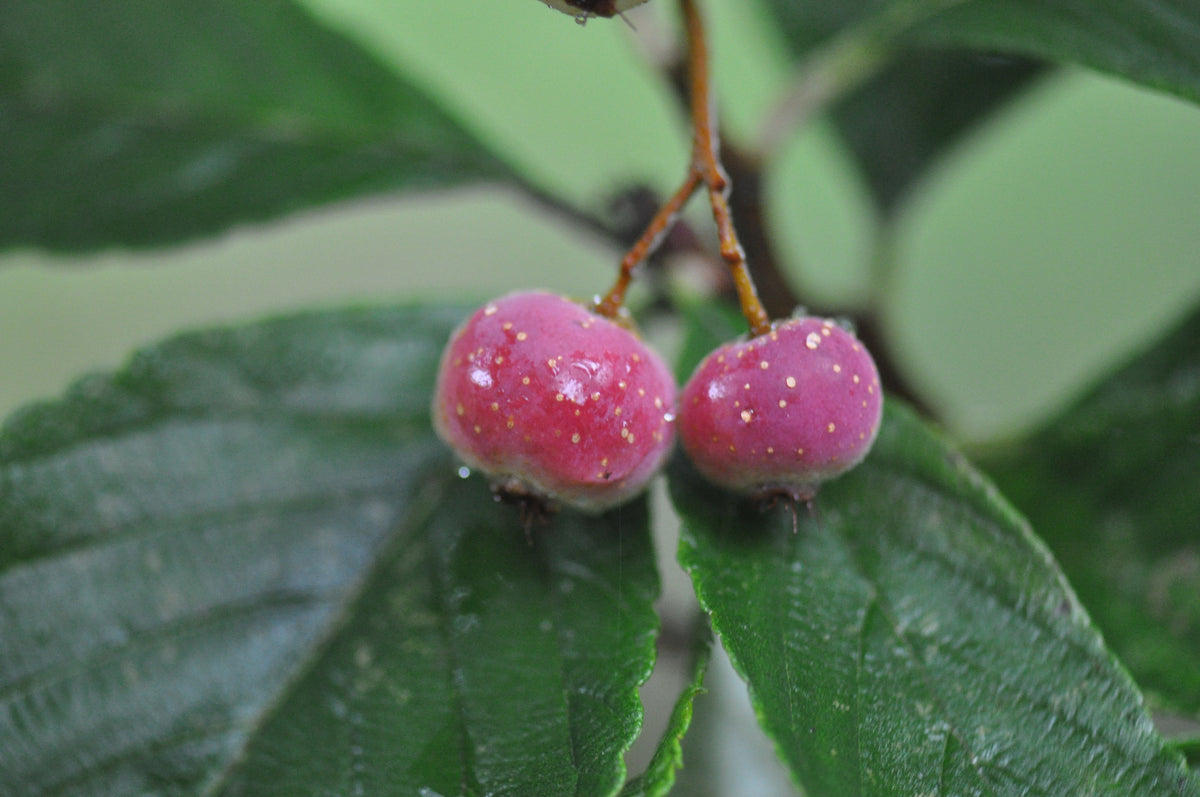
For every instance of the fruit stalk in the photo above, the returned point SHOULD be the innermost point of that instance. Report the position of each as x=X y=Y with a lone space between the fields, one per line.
x=706 y=158
x=656 y=231
x=705 y=167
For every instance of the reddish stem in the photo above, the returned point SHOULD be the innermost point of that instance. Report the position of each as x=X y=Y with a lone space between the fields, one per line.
x=706 y=157
x=705 y=167
x=655 y=232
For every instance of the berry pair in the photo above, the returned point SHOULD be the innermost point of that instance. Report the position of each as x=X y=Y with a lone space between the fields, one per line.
x=557 y=403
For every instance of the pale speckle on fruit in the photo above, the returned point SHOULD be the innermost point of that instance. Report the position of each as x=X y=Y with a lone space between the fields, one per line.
x=764 y=365
x=790 y=381
x=812 y=341
x=522 y=336
x=747 y=416
x=481 y=377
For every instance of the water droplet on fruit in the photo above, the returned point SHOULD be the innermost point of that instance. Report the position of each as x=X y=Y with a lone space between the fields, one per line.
x=481 y=378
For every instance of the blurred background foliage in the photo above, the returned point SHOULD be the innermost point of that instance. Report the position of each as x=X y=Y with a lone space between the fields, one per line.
x=1051 y=241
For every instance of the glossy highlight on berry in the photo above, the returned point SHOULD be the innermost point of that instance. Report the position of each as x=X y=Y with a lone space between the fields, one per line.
x=783 y=412
x=555 y=402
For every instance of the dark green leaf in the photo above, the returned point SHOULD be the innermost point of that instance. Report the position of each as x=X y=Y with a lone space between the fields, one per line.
x=659 y=776
x=1155 y=43
x=908 y=634
x=807 y=24
x=908 y=104
x=1113 y=483
x=1152 y=42
x=147 y=122
x=899 y=123
x=248 y=546
x=926 y=92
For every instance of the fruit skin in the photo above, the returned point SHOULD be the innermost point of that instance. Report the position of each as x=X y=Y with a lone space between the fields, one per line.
x=782 y=412
x=555 y=402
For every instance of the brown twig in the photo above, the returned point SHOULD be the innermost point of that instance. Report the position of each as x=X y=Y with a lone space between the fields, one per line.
x=705 y=167
x=658 y=228
x=706 y=158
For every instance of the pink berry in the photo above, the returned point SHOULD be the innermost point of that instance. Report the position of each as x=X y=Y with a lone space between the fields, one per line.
x=555 y=402
x=783 y=412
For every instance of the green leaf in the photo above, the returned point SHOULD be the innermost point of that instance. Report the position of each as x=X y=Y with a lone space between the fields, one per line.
x=898 y=106
x=659 y=776
x=145 y=122
x=908 y=634
x=1112 y=484
x=245 y=565
x=1155 y=43
x=911 y=90
x=917 y=108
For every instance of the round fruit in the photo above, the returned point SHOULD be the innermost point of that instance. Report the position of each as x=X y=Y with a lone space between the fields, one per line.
x=582 y=9
x=554 y=402
x=783 y=412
